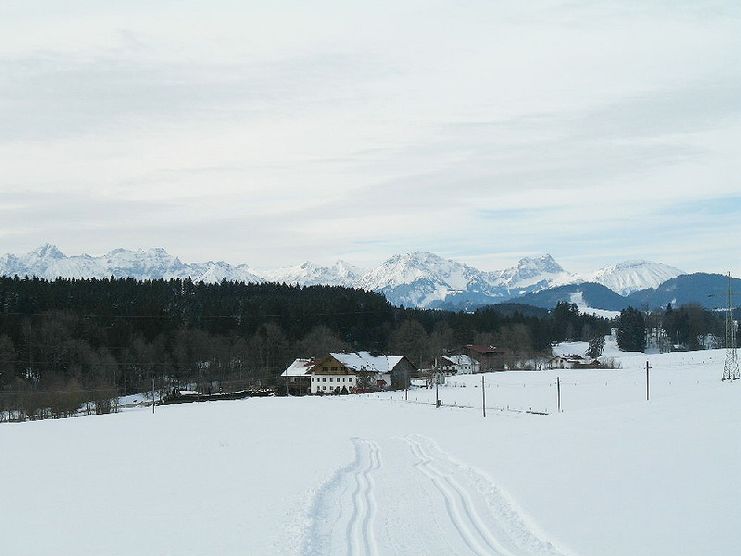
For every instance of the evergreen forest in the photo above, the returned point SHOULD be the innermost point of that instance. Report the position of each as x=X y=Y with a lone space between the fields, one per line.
x=92 y=340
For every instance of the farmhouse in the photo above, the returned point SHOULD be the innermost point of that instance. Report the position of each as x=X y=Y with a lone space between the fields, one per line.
x=573 y=362
x=489 y=358
x=298 y=379
x=563 y=361
x=458 y=364
x=360 y=371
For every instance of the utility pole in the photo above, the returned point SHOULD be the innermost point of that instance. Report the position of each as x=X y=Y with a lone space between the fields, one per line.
x=730 y=368
x=436 y=374
x=153 y=401
x=483 y=396
x=648 y=385
x=558 y=392
x=30 y=361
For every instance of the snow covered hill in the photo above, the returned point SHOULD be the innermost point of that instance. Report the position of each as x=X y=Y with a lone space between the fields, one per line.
x=631 y=276
x=613 y=474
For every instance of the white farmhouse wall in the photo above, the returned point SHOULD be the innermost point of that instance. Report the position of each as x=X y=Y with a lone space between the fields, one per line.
x=327 y=383
x=467 y=369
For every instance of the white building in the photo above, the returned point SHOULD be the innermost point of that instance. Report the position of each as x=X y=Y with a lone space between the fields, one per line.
x=458 y=364
x=569 y=362
x=355 y=371
x=332 y=383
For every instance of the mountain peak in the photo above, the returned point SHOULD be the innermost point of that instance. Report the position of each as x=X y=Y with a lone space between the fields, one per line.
x=540 y=271
x=48 y=251
x=543 y=262
x=629 y=276
x=413 y=257
x=312 y=274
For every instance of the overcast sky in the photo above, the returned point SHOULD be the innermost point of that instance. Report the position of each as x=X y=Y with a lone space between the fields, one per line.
x=269 y=133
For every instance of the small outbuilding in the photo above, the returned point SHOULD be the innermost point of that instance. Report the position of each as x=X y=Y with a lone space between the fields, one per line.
x=297 y=377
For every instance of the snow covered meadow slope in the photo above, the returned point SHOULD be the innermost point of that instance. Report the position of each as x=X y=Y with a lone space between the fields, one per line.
x=612 y=474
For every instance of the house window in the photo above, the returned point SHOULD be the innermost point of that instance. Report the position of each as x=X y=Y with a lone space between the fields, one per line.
x=324 y=379
x=334 y=369
x=350 y=379
x=331 y=379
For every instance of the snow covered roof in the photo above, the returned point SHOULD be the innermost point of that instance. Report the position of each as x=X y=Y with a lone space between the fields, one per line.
x=459 y=359
x=364 y=361
x=298 y=368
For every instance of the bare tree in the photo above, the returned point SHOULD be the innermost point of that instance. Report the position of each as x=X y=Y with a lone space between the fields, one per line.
x=320 y=340
x=411 y=339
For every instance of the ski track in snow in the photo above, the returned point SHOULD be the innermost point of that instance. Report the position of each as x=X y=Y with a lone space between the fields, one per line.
x=459 y=506
x=482 y=515
x=467 y=505
x=360 y=535
x=355 y=484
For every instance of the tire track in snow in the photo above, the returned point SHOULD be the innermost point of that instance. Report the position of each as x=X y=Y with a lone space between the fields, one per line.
x=499 y=528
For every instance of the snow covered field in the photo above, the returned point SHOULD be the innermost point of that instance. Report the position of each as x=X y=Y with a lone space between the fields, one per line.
x=671 y=374
x=611 y=474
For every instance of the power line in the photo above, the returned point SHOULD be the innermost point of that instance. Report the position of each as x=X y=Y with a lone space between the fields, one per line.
x=40 y=392
x=50 y=313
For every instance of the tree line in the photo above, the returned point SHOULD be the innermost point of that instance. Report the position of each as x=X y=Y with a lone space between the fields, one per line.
x=689 y=327
x=83 y=341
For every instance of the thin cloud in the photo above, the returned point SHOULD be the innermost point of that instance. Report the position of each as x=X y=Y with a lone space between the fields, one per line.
x=242 y=132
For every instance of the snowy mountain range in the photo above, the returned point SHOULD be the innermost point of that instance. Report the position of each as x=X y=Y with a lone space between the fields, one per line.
x=422 y=279
x=310 y=274
x=630 y=276
x=418 y=279
x=49 y=262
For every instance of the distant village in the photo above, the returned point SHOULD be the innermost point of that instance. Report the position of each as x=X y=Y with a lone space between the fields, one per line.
x=360 y=372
